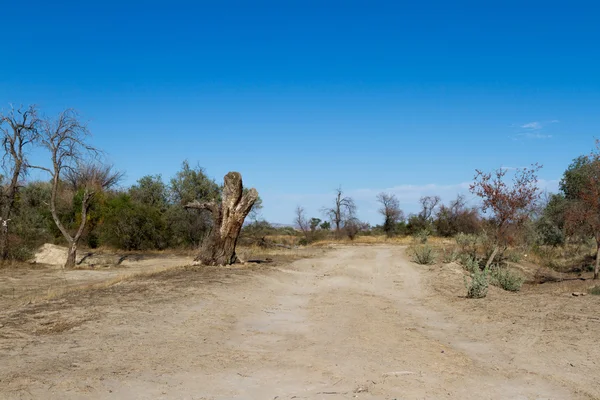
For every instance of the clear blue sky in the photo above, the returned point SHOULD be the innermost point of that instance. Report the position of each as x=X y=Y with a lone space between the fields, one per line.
x=304 y=96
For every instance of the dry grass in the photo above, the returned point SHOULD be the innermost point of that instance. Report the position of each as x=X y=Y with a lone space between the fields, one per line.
x=54 y=292
x=568 y=258
x=37 y=283
x=381 y=239
x=277 y=254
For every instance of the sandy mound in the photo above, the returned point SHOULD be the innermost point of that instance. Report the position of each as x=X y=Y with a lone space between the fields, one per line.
x=51 y=254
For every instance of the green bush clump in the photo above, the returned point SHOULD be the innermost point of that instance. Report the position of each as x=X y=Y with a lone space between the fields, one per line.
x=424 y=254
x=477 y=288
x=471 y=264
x=467 y=243
x=507 y=279
x=513 y=256
x=422 y=235
x=449 y=255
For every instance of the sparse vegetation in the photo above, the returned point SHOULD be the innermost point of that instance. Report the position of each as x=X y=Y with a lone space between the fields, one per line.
x=477 y=287
x=81 y=205
x=449 y=255
x=506 y=279
x=470 y=263
x=422 y=236
x=424 y=254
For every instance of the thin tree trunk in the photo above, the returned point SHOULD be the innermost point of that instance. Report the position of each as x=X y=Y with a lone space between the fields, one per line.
x=4 y=242
x=228 y=218
x=71 y=255
x=8 y=207
x=72 y=240
x=597 y=267
x=492 y=256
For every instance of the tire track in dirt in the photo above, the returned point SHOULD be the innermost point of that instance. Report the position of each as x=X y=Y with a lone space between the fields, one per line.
x=358 y=322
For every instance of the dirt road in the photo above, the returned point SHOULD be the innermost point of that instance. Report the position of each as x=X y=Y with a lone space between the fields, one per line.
x=359 y=322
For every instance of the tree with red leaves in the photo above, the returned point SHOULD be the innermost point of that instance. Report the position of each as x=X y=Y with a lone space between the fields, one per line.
x=583 y=214
x=510 y=205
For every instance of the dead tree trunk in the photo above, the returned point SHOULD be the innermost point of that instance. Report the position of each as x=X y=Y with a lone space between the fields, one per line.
x=228 y=218
x=71 y=256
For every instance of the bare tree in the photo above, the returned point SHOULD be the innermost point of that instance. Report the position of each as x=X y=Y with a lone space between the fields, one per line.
x=18 y=131
x=354 y=226
x=428 y=206
x=510 y=205
x=228 y=219
x=392 y=214
x=456 y=217
x=302 y=222
x=342 y=210
x=66 y=140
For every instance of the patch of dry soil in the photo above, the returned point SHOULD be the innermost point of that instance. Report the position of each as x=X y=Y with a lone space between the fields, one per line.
x=358 y=322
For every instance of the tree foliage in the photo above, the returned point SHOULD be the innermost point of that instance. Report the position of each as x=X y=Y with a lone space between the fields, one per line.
x=510 y=205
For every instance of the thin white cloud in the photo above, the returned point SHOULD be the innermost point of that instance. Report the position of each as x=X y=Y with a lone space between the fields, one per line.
x=534 y=130
x=532 y=125
x=537 y=135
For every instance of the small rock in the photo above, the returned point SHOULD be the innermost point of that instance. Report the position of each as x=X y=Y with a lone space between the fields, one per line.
x=576 y=294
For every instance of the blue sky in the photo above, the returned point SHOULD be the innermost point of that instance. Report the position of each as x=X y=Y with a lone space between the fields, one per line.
x=304 y=96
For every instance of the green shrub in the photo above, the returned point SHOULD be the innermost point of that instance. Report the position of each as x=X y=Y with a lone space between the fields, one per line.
x=595 y=290
x=424 y=254
x=589 y=268
x=471 y=264
x=449 y=255
x=507 y=279
x=513 y=256
x=467 y=243
x=20 y=253
x=477 y=288
x=422 y=235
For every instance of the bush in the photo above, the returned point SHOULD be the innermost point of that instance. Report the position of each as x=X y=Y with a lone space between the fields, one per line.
x=20 y=253
x=449 y=255
x=478 y=287
x=471 y=264
x=548 y=233
x=422 y=235
x=507 y=279
x=424 y=254
x=513 y=256
x=467 y=244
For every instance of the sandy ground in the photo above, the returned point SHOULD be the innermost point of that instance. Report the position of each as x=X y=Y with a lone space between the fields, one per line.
x=357 y=322
x=20 y=286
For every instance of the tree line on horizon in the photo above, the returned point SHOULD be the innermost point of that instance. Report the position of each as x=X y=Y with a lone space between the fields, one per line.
x=81 y=203
x=512 y=212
